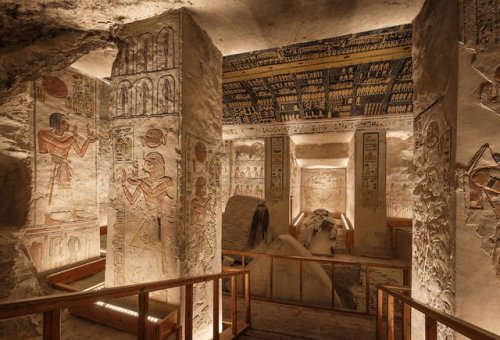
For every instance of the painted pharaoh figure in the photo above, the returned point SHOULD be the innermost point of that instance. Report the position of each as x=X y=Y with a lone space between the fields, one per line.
x=57 y=142
x=154 y=187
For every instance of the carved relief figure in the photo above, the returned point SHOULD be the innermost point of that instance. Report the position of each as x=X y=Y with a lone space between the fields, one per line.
x=166 y=95
x=57 y=142
x=154 y=187
x=165 y=48
x=124 y=99
x=144 y=93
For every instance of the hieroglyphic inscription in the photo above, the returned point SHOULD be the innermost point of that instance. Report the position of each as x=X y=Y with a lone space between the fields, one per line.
x=123 y=140
x=277 y=159
x=480 y=19
x=248 y=160
x=369 y=192
x=333 y=125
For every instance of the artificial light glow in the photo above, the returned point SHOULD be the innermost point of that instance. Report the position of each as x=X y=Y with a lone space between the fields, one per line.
x=124 y=310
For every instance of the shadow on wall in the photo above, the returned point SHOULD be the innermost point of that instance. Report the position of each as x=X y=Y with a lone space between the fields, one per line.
x=15 y=190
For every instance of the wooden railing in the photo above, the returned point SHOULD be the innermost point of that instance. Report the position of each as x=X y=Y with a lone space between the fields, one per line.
x=349 y=233
x=432 y=317
x=52 y=305
x=406 y=270
x=398 y=223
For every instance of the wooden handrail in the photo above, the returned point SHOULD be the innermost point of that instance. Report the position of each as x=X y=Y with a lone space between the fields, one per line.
x=365 y=265
x=312 y=259
x=432 y=316
x=51 y=305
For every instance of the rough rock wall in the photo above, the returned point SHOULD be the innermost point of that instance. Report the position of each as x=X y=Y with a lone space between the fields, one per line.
x=143 y=216
x=202 y=147
x=34 y=44
x=323 y=189
x=16 y=152
x=399 y=171
x=435 y=79
x=478 y=136
x=295 y=181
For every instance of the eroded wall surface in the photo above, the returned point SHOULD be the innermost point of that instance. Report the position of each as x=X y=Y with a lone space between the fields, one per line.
x=435 y=79
x=478 y=194
x=323 y=189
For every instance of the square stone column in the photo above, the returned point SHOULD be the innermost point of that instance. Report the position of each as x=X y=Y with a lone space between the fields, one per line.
x=165 y=207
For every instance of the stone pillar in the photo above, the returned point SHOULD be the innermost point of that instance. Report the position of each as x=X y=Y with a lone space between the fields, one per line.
x=165 y=211
x=435 y=82
x=278 y=183
x=370 y=233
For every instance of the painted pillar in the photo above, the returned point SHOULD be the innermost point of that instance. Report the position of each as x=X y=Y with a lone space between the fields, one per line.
x=370 y=233
x=165 y=215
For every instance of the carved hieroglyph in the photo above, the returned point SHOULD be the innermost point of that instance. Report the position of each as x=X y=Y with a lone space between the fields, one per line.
x=433 y=246
x=369 y=193
x=64 y=228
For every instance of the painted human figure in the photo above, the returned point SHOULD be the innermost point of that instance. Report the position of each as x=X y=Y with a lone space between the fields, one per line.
x=57 y=142
x=238 y=173
x=166 y=95
x=165 y=48
x=154 y=188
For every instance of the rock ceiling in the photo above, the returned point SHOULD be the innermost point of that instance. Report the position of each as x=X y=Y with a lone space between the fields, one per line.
x=235 y=26
x=38 y=36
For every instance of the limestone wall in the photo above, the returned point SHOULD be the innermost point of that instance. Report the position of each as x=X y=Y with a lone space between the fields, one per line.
x=435 y=79
x=478 y=209
x=323 y=189
x=68 y=108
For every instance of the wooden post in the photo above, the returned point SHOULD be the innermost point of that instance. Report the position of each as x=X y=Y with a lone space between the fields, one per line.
x=367 y=298
x=390 y=317
x=271 y=279
x=243 y=267
x=142 y=319
x=430 y=328
x=216 y=333
x=248 y=312
x=406 y=276
x=188 y=313
x=52 y=325
x=380 y=312
x=300 y=283
x=406 y=324
x=234 y=306
x=393 y=235
x=333 y=285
